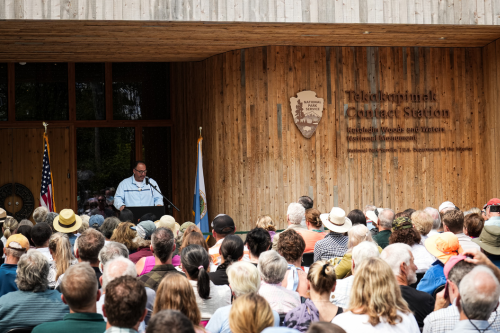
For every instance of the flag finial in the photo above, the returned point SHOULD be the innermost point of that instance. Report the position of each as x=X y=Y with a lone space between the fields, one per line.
x=45 y=125
x=200 y=131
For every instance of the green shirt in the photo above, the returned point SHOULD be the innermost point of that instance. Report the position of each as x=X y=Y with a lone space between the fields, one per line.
x=74 y=323
x=382 y=238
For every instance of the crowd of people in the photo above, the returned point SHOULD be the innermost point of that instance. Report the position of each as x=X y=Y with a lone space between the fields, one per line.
x=371 y=270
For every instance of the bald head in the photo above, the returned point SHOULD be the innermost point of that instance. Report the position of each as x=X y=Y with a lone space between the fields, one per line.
x=479 y=293
x=117 y=267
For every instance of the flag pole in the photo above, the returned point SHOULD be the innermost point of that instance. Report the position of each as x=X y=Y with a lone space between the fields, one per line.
x=200 y=131
x=46 y=139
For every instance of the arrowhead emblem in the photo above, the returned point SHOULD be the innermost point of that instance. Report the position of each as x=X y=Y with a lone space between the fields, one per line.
x=307 y=110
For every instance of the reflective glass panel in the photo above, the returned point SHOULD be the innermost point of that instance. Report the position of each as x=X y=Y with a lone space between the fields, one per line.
x=3 y=92
x=105 y=157
x=90 y=93
x=141 y=91
x=41 y=91
x=156 y=147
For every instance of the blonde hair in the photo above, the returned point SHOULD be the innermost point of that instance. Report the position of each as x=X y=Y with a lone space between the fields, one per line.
x=422 y=221
x=376 y=293
x=312 y=216
x=322 y=276
x=61 y=248
x=9 y=226
x=123 y=234
x=176 y=293
x=358 y=234
x=250 y=313
x=265 y=222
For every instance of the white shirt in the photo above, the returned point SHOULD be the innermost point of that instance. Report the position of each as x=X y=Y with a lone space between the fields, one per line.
x=45 y=251
x=279 y=298
x=219 y=296
x=342 y=292
x=466 y=242
x=355 y=323
x=423 y=259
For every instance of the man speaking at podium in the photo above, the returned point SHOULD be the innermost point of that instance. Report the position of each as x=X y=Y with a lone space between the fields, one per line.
x=136 y=191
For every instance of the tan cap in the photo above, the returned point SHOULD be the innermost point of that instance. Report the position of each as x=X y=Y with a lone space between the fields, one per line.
x=167 y=221
x=18 y=242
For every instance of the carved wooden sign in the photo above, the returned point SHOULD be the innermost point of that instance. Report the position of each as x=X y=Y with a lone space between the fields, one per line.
x=307 y=110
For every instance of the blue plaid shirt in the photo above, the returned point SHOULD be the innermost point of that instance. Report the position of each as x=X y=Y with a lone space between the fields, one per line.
x=114 y=329
x=332 y=246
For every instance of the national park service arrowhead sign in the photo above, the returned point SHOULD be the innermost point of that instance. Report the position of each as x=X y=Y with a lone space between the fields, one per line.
x=307 y=110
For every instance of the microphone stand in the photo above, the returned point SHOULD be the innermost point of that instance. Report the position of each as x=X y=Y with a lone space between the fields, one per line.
x=164 y=197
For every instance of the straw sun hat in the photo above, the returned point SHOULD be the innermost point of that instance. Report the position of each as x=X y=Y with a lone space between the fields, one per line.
x=67 y=222
x=337 y=220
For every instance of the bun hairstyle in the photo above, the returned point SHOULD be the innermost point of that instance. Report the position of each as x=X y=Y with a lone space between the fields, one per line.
x=322 y=276
x=231 y=249
x=9 y=226
x=265 y=222
x=312 y=216
x=195 y=261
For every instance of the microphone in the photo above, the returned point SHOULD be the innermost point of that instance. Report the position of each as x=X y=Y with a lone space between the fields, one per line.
x=147 y=180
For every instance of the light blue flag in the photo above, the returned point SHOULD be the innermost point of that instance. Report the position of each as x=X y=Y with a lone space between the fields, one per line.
x=200 y=197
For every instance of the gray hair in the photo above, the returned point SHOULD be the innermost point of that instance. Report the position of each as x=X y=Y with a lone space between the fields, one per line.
x=243 y=277
x=272 y=266
x=295 y=213
x=115 y=268
x=112 y=250
x=386 y=217
x=14 y=253
x=32 y=272
x=25 y=222
x=395 y=255
x=40 y=214
x=369 y=208
x=434 y=213
x=109 y=225
x=363 y=251
x=479 y=293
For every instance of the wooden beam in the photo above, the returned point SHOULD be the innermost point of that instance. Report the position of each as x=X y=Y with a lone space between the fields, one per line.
x=88 y=123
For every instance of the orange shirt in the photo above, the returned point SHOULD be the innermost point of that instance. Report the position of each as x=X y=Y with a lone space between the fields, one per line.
x=310 y=237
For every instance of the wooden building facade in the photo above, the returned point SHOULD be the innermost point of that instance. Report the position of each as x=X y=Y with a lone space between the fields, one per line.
x=234 y=78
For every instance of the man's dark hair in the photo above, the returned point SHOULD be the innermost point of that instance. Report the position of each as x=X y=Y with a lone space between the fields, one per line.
x=231 y=249
x=461 y=269
x=148 y=217
x=324 y=327
x=357 y=217
x=170 y=321
x=306 y=201
x=454 y=220
x=162 y=241
x=89 y=244
x=125 y=301
x=409 y=211
x=258 y=240
x=40 y=233
x=126 y=215
x=25 y=230
x=136 y=163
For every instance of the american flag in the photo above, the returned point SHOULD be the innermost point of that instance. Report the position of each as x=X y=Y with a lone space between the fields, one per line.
x=46 y=194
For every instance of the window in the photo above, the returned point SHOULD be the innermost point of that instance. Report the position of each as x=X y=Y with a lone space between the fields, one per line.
x=90 y=91
x=141 y=91
x=41 y=91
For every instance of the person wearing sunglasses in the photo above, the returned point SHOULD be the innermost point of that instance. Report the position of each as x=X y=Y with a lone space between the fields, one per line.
x=102 y=208
x=135 y=191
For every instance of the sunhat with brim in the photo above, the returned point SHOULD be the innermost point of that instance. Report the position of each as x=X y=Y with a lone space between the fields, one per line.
x=3 y=215
x=186 y=225
x=336 y=221
x=489 y=239
x=372 y=215
x=443 y=246
x=67 y=222
x=167 y=221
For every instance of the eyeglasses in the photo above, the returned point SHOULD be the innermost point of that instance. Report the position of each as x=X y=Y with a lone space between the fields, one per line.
x=142 y=172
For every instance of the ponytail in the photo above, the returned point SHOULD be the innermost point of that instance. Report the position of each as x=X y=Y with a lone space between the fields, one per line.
x=231 y=249
x=10 y=225
x=195 y=261
x=61 y=247
x=312 y=216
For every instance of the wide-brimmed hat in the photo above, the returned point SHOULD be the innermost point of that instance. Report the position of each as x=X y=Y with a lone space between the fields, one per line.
x=489 y=240
x=67 y=222
x=3 y=215
x=443 y=246
x=337 y=220
x=167 y=221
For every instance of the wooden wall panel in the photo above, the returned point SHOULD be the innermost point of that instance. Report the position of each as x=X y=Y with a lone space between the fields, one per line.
x=460 y=12
x=257 y=162
x=22 y=154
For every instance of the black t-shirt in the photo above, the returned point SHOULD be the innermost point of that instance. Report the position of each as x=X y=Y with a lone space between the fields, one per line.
x=219 y=277
x=97 y=275
x=420 y=303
